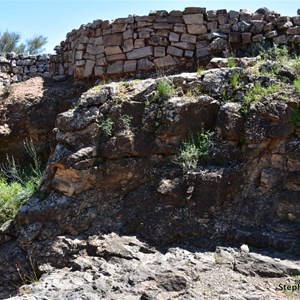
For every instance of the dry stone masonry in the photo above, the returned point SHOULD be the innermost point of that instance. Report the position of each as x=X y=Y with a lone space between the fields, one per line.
x=20 y=67
x=165 y=40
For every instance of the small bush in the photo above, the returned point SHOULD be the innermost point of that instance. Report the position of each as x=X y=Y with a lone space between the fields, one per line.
x=126 y=121
x=296 y=117
x=16 y=185
x=107 y=126
x=231 y=61
x=256 y=93
x=235 y=79
x=194 y=149
x=164 y=87
x=296 y=83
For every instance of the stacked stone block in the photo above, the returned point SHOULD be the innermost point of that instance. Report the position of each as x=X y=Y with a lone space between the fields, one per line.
x=167 y=40
x=20 y=67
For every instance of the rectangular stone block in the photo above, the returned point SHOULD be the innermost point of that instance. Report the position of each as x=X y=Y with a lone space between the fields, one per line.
x=89 y=68
x=128 y=45
x=128 y=34
x=143 y=24
x=130 y=66
x=194 y=10
x=293 y=30
x=101 y=61
x=180 y=28
x=246 y=37
x=296 y=20
x=222 y=19
x=188 y=53
x=235 y=37
x=165 y=61
x=139 y=43
x=159 y=51
x=116 y=57
x=145 y=64
x=183 y=45
x=78 y=55
x=140 y=53
x=115 y=68
x=145 y=33
x=113 y=39
x=212 y=25
x=168 y=19
x=163 y=32
x=193 y=19
x=196 y=29
x=258 y=37
x=119 y=27
x=174 y=51
x=163 y=26
x=99 y=71
x=174 y=37
x=113 y=50
x=188 y=38
x=99 y=41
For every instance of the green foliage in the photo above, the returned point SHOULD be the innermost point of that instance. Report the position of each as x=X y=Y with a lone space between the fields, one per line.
x=200 y=70
x=164 y=87
x=126 y=121
x=10 y=42
x=296 y=83
x=107 y=126
x=235 y=79
x=194 y=149
x=231 y=61
x=32 y=277
x=6 y=91
x=296 y=117
x=255 y=94
x=16 y=185
x=35 y=44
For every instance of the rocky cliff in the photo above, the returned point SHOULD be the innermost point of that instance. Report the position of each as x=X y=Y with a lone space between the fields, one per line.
x=151 y=174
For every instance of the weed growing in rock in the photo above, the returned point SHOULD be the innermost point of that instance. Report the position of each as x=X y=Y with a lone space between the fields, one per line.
x=296 y=117
x=164 y=87
x=16 y=185
x=32 y=277
x=231 y=62
x=126 y=121
x=200 y=70
x=6 y=91
x=255 y=94
x=194 y=149
x=296 y=84
x=107 y=126
x=235 y=79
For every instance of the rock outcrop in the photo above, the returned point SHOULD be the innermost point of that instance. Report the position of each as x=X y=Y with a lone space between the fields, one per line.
x=117 y=168
x=28 y=110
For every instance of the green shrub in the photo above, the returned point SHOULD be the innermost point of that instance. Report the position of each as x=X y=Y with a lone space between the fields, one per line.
x=235 y=79
x=256 y=93
x=126 y=121
x=296 y=117
x=231 y=61
x=164 y=87
x=107 y=126
x=16 y=184
x=296 y=83
x=193 y=150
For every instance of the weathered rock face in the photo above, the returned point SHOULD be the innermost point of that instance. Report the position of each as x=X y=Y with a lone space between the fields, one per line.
x=115 y=267
x=29 y=110
x=174 y=40
x=115 y=168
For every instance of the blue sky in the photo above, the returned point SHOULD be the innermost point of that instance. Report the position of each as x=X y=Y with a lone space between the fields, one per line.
x=54 y=18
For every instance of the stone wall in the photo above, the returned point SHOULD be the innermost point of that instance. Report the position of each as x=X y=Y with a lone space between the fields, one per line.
x=19 y=67
x=167 y=40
